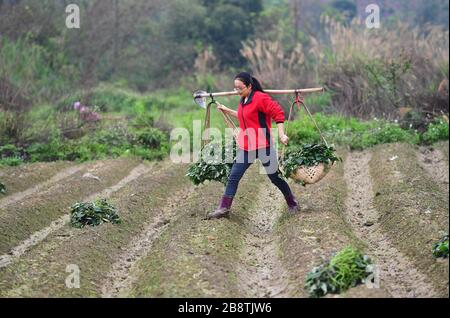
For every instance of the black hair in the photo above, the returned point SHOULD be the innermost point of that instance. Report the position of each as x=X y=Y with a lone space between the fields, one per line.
x=247 y=79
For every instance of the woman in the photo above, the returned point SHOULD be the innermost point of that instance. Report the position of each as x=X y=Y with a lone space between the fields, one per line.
x=255 y=114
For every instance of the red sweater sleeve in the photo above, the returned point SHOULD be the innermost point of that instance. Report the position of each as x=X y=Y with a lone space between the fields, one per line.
x=272 y=108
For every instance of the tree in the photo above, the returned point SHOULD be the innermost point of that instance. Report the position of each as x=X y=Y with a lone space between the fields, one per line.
x=229 y=23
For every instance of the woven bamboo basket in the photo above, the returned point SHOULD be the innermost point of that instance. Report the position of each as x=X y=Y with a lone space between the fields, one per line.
x=312 y=174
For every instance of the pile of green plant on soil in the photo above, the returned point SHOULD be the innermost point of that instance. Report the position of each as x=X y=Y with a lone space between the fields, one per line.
x=346 y=269
x=93 y=214
x=2 y=188
x=214 y=164
x=308 y=155
x=440 y=249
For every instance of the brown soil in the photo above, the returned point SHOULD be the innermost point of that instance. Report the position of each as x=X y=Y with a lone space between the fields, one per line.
x=397 y=273
x=260 y=272
x=393 y=210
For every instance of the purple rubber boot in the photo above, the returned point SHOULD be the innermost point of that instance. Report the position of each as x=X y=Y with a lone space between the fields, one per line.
x=224 y=208
x=292 y=204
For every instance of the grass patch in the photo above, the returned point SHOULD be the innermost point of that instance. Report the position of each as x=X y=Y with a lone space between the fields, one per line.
x=359 y=135
x=437 y=131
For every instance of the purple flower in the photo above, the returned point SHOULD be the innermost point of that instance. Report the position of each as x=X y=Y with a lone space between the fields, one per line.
x=84 y=109
x=77 y=106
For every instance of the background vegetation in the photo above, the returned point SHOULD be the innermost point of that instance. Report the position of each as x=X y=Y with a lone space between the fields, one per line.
x=135 y=64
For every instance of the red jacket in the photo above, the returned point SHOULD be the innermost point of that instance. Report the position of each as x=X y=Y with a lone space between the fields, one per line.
x=255 y=121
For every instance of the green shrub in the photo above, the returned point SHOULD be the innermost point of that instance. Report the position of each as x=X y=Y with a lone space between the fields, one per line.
x=414 y=120
x=337 y=129
x=360 y=134
x=148 y=154
x=150 y=137
x=346 y=269
x=11 y=161
x=10 y=155
x=11 y=126
x=9 y=150
x=93 y=214
x=436 y=131
x=144 y=120
x=52 y=151
x=385 y=133
x=115 y=136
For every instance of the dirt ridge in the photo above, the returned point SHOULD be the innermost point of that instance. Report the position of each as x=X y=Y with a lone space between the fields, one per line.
x=397 y=273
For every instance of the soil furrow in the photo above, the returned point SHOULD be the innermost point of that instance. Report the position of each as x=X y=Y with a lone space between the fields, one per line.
x=118 y=279
x=195 y=257
x=42 y=271
x=18 y=222
x=39 y=236
x=16 y=197
x=436 y=165
x=397 y=274
x=261 y=273
x=26 y=176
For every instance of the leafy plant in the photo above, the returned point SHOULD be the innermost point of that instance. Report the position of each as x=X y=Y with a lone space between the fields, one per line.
x=346 y=269
x=2 y=188
x=438 y=130
x=144 y=120
x=117 y=135
x=11 y=161
x=9 y=150
x=93 y=214
x=150 y=137
x=440 y=249
x=308 y=155
x=214 y=164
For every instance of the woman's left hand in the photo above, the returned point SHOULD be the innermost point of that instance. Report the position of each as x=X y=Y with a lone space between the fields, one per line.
x=284 y=139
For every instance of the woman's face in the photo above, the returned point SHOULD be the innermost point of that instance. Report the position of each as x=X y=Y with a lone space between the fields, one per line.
x=242 y=90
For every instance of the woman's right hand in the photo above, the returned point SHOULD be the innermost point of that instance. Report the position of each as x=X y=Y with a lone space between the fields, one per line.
x=222 y=108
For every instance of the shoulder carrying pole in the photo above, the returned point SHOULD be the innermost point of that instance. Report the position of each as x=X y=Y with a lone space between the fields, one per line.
x=268 y=91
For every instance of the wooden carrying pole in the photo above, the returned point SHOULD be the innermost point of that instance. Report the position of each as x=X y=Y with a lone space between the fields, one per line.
x=268 y=91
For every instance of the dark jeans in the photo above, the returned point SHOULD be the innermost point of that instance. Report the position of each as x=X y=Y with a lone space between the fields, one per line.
x=244 y=159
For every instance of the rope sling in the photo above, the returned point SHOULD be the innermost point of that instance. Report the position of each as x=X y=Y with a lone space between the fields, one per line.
x=227 y=119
